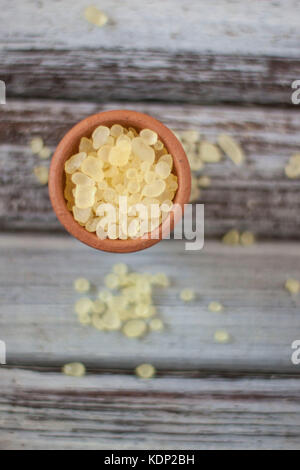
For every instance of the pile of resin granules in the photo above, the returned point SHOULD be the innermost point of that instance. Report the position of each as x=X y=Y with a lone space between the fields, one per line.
x=125 y=305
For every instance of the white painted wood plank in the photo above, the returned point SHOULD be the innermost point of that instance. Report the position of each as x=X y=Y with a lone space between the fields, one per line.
x=49 y=411
x=193 y=51
x=218 y=26
x=39 y=327
x=256 y=196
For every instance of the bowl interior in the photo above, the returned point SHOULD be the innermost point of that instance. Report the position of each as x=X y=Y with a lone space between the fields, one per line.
x=69 y=146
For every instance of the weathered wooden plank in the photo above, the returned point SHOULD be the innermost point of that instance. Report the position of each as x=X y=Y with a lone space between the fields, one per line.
x=39 y=327
x=197 y=52
x=50 y=411
x=256 y=196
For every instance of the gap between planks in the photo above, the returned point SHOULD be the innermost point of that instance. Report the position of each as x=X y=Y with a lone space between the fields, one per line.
x=197 y=52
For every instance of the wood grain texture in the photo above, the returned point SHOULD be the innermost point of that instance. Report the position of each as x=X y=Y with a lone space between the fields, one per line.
x=196 y=51
x=256 y=196
x=39 y=327
x=50 y=411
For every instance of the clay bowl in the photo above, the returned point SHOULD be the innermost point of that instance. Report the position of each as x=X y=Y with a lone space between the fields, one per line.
x=69 y=146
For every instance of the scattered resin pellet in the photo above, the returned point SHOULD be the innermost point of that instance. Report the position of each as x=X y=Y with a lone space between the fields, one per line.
x=187 y=295
x=82 y=285
x=293 y=286
x=221 y=336
x=42 y=174
x=84 y=318
x=204 y=181
x=111 y=281
x=97 y=322
x=231 y=148
x=95 y=16
x=145 y=371
x=44 y=153
x=215 y=307
x=120 y=269
x=134 y=328
x=209 y=153
x=98 y=306
x=247 y=239
x=191 y=136
x=114 y=164
x=231 y=238
x=292 y=169
x=74 y=369
x=83 y=305
x=156 y=324
x=36 y=145
x=161 y=279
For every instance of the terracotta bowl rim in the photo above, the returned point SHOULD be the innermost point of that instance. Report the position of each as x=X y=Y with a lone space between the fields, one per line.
x=70 y=141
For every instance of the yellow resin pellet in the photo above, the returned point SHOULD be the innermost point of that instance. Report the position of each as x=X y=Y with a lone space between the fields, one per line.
x=103 y=153
x=101 y=233
x=204 y=181
x=145 y=371
x=74 y=369
x=154 y=189
x=98 y=306
x=75 y=162
x=100 y=136
x=293 y=286
x=119 y=155
x=120 y=269
x=82 y=285
x=42 y=174
x=191 y=136
x=187 y=295
x=84 y=318
x=133 y=187
x=231 y=148
x=97 y=322
x=116 y=130
x=82 y=215
x=84 y=196
x=82 y=179
x=160 y=279
x=222 y=337
x=105 y=296
x=86 y=145
x=156 y=324
x=134 y=328
x=247 y=239
x=143 y=151
x=111 y=321
x=231 y=238
x=148 y=137
x=167 y=159
x=95 y=16
x=44 y=153
x=92 y=223
x=92 y=167
x=83 y=305
x=132 y=173
x=112 y=281
x=36 y=145
x=215 y=307
x=162 y=169
x=209 y=153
